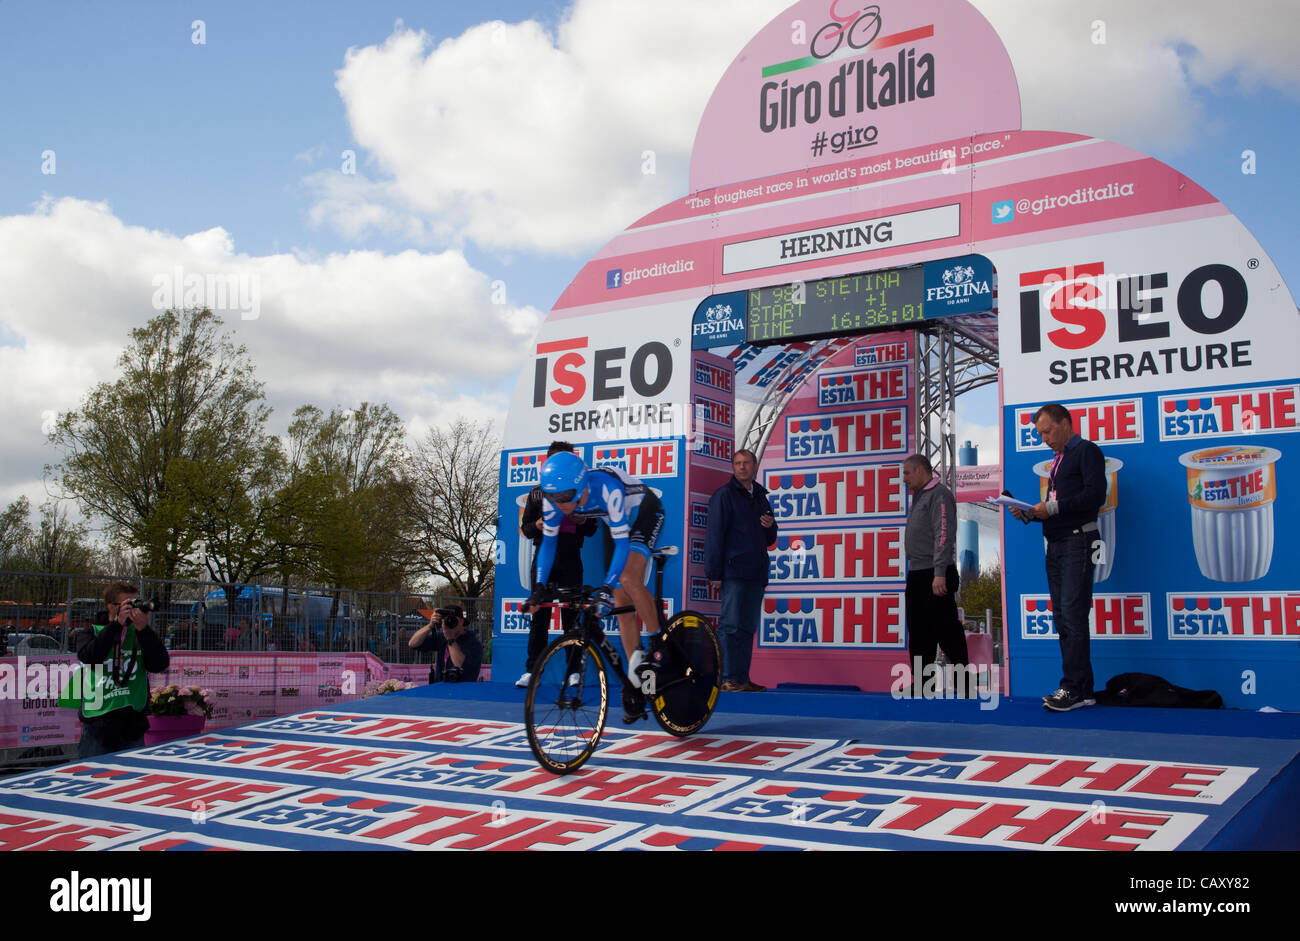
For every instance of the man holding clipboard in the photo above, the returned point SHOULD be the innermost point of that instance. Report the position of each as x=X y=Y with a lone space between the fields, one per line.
x=1076 y=490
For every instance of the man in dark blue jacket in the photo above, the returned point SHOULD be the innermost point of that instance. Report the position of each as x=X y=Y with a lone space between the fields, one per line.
x=740 y=530
x=1076 y=490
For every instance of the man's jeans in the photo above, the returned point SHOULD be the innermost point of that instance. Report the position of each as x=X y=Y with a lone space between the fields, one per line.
x=742 y=606
x=1069 y=579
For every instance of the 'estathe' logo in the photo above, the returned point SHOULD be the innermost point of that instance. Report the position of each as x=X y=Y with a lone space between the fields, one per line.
x=850 y=434
x=515 y=621
x=1228 y=413
x=870 y=555
x=699 y=513
x=713 y=376
x=842 y=493
x=847 y=387
x=524 y=468
x=843 y=619
x=883 y=353
x=859 y=85
x=1112 y=616
x=1113 y=421
x=658 y=459
x=1268 y=615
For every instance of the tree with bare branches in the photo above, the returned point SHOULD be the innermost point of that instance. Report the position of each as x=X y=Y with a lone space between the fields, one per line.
x=450 y=505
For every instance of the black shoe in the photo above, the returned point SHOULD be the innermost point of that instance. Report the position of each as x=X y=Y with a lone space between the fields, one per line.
x=1063 y=700
x=633 y=704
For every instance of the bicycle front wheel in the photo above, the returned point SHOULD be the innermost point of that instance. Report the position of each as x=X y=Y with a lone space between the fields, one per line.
x=566 y=706
x=691 y=674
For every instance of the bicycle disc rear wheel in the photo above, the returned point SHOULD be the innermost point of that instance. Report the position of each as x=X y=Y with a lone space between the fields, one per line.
x=564 y=720
x=691 y=675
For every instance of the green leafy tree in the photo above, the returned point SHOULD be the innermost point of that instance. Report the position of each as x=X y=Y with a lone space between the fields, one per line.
x=351 y=462
x=14 y=531
x=983 y=592
x=185 y=392
x=244 y=506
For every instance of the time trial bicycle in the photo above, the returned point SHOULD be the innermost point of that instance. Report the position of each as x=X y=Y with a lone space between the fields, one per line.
x=568 y=696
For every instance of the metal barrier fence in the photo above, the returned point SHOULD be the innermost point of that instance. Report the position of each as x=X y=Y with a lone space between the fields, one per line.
x=39 y=612
x=276 y=650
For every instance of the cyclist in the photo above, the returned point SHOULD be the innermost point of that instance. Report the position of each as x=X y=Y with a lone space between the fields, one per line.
x=634 y=516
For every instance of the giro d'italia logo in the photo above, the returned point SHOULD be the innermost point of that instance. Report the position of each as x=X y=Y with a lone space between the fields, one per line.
x=846 y=33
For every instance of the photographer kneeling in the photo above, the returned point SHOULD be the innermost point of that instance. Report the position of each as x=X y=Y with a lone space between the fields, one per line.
x=124 y=649
x=457 y=653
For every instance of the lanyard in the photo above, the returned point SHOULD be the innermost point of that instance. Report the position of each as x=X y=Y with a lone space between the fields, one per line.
x=1051 y=476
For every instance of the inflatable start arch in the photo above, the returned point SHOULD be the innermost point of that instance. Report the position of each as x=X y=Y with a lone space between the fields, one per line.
x=860 y=182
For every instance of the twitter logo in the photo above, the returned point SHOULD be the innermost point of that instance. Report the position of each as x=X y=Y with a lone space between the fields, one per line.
x=1003 y=211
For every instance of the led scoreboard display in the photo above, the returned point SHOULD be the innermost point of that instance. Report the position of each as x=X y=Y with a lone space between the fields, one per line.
x=876 y=300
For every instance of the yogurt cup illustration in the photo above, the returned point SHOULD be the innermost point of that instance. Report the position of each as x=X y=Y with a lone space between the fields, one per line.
x=526 y=550
x=1231 y=490
x=1105 y=516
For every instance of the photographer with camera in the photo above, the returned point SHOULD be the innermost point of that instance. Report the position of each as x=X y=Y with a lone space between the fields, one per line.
x=457 y=652
x=125 y=648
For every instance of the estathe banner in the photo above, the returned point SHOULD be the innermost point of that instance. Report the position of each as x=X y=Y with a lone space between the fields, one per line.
x=862 y=167
x=1190 y=324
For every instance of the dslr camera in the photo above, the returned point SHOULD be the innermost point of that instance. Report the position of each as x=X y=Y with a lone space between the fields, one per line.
x=450 y=617
x=146 y=606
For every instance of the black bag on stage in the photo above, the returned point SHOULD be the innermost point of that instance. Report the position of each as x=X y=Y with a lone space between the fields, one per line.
x=1144 y=689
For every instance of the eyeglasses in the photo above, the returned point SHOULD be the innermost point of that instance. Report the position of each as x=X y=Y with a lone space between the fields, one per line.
x=564 y=496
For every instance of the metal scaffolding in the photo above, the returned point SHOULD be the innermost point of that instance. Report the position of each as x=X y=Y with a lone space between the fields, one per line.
x=782 y=389
x=953 y=357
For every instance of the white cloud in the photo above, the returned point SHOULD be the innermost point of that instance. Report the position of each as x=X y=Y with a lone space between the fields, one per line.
x=1143 y=86
x=518 y=138
x=417 y=330
x=983 y=437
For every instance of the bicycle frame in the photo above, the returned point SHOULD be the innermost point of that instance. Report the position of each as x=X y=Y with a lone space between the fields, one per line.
x=563 y=730
x=588 y=625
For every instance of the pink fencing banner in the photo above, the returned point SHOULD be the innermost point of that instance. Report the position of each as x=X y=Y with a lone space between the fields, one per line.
x=244 y=687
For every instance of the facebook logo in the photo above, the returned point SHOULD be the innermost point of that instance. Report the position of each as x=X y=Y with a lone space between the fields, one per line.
x=613 y=278
x=1004 y=211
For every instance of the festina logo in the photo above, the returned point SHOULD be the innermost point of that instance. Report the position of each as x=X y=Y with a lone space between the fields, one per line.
x=76 y=894
x=964 y=289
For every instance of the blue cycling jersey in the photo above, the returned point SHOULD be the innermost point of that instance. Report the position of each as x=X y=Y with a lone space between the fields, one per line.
x=612 y=496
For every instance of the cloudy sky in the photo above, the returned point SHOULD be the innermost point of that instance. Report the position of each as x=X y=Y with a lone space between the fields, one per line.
x=394 y=194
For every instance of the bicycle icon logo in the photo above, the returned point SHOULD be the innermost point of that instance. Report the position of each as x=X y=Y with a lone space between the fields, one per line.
x=860 y=28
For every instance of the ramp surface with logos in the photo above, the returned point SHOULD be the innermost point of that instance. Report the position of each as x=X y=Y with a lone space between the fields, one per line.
x=449 y=768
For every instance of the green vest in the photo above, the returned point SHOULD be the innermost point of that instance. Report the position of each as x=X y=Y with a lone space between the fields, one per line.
x=104 y=693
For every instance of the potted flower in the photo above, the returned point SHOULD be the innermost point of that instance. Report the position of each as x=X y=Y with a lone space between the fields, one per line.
x=177 y=712
x=379 y=687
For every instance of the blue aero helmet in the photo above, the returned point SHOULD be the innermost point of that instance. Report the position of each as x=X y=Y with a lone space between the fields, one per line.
x=563 y=477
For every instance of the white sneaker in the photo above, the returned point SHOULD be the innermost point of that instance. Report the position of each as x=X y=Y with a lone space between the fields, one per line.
x=523 y=681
